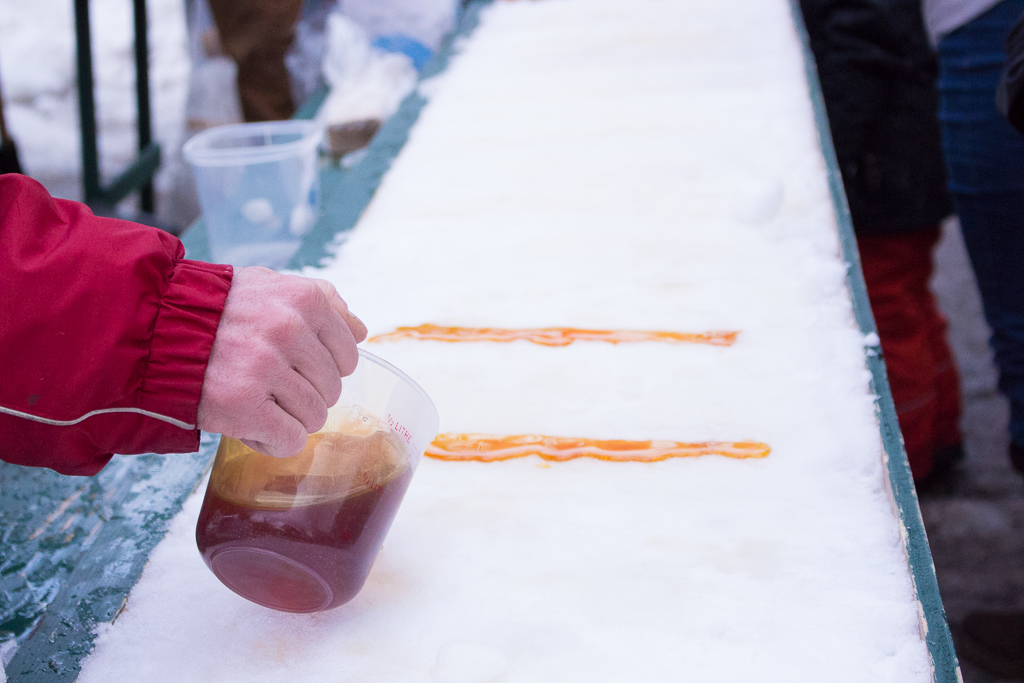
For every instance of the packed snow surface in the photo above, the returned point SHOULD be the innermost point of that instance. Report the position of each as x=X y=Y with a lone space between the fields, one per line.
x=607 y=164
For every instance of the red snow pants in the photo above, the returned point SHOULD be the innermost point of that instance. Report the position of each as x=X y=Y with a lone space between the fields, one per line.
x=922 y=372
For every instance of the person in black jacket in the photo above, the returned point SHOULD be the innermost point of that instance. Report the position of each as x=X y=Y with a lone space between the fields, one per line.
x=877 y=73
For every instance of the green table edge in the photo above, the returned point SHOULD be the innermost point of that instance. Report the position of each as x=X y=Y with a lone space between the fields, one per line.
x=134 y=498
x=937 y=635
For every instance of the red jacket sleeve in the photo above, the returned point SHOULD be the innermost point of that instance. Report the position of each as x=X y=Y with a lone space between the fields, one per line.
x=105 y=332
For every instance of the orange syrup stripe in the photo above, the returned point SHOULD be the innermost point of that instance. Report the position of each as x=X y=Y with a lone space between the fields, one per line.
x=553 y=336
x=492 y=448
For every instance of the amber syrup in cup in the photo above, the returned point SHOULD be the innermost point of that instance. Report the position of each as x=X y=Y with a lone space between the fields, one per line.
x=300 y=534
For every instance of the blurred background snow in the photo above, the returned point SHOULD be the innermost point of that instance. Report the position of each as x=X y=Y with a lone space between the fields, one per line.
x=366 y=44
x=37 y=75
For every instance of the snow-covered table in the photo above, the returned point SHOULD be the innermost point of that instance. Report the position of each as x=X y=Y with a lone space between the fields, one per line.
x=614 y=165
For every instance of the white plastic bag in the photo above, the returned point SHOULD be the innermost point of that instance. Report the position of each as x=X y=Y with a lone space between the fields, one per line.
x=425 y=21
x=366 y=83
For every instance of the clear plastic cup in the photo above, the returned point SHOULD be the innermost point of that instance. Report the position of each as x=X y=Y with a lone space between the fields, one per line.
x=300 y=534
x=259 y=189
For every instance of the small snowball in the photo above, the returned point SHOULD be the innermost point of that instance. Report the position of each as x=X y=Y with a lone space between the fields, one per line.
x=759 y=201
x=466 y=662
x=871 y=339
x=301 y=220
x=258 y=210
x=908 y=663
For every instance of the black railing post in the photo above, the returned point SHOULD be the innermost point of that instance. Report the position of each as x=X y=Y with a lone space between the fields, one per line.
x=139 y=175
x=87 y=103
x=142 y=95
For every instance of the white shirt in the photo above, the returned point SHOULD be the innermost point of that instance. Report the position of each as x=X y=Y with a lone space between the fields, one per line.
x=945 y=16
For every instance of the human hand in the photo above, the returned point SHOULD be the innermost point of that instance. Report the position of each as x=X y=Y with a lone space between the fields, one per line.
x=282 y=346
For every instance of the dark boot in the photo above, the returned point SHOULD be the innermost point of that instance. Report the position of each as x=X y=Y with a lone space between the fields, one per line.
x=945 y=475
x=1017 y=457
x=993 y=641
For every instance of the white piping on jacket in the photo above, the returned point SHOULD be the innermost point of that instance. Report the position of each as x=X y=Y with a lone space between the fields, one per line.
x=68 y=423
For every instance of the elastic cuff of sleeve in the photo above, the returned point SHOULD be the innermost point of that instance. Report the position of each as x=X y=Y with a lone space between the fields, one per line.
x=183 y=335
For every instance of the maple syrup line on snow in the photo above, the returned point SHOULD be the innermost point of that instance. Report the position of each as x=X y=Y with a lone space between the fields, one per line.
x=553 y=336
x=492 y=448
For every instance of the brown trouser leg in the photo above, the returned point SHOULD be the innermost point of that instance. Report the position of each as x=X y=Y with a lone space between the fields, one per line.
x=256 y=34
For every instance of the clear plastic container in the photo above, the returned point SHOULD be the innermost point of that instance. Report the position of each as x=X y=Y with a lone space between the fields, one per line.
x=259 y=189
x=300 y=534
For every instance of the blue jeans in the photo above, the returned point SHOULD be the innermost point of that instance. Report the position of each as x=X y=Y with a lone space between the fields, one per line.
x=985 y=159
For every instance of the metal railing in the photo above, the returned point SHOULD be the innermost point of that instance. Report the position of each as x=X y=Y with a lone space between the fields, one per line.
x=139 y=174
